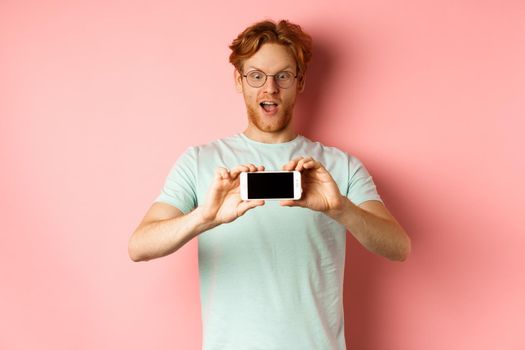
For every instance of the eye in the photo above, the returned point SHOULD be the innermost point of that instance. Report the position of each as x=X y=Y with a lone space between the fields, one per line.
x=256 y=75
x=283 y=75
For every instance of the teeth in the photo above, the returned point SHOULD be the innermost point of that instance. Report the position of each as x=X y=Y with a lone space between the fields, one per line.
x=268 y=103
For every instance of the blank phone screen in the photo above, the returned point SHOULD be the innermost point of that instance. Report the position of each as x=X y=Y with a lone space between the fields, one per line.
x=270 y=185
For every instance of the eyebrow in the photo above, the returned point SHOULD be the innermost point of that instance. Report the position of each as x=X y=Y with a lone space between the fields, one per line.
x=280 y=70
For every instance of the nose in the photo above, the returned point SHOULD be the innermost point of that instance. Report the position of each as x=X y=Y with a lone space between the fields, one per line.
x=270 y=85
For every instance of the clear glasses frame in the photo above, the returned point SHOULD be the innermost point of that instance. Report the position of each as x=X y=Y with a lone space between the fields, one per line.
x=284 y=82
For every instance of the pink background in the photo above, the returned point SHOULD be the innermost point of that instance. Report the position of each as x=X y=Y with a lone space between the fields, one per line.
x=97 y=100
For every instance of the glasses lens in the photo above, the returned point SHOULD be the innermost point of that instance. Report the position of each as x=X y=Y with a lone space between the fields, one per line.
x=284 y=79
x=256 y=78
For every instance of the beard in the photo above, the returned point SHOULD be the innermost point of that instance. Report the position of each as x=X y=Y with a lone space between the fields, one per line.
x=276 y=123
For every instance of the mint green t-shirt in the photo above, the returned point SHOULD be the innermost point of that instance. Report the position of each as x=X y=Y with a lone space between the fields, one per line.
x=273 y=278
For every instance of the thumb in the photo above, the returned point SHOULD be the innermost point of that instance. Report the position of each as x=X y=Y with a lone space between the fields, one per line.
x=247 y=205
x=290 y=203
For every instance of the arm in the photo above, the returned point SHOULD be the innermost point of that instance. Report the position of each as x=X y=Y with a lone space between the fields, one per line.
x=165 y=228
x=371 y=223
x=374 y=227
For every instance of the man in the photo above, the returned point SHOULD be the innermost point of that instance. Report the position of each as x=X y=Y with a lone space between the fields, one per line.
x=271 y=273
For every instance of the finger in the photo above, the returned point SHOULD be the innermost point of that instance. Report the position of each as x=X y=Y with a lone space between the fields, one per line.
x=251 y=167
x=299 y=165
x=221 y=173
x=244 y=167
x=260 y=168
x=291 y=164
x=312 y=164
x=287 y=167
x=238 y=169
x=302 y=162
x=247 y=205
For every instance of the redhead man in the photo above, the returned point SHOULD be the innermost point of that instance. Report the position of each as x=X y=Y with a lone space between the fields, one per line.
x=271 y=273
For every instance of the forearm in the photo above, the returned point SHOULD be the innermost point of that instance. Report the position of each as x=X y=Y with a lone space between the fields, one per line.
x=160 y=238
x=377 y=234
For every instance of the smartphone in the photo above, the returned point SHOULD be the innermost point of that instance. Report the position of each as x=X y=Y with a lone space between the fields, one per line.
x=271 y=185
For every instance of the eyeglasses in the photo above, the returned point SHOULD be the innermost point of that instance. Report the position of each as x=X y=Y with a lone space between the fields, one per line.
x=256 y=78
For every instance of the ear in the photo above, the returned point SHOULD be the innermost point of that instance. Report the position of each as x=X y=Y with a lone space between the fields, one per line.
x=238 y=80
x=301 y=84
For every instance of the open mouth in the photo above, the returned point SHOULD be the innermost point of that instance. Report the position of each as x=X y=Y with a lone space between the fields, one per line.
x=268 y=106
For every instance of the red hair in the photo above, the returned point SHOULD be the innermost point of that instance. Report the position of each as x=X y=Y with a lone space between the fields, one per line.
x=284 y=33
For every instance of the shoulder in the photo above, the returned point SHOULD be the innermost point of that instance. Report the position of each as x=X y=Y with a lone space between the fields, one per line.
x=215 y=145
x=334 y=157
x=228 y=141
x=321 y=150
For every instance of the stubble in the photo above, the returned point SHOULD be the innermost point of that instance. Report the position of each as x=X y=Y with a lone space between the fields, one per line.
x=280 y=123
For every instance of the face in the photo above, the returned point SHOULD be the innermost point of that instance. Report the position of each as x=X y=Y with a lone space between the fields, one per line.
x=269 y=107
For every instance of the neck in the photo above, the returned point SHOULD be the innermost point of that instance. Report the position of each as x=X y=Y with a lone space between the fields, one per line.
x=270 y=137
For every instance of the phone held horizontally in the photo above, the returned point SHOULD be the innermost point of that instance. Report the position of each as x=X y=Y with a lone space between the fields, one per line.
x=271 y=185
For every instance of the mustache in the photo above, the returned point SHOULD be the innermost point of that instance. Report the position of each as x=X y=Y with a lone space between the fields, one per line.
x=268 y=98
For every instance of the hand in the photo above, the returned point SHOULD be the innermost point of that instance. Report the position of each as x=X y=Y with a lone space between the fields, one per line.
x=320 y=192
x=223 y=203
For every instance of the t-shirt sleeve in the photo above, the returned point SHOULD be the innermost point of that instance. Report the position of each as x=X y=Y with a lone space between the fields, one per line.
x=179 y=189
x=361 y=186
